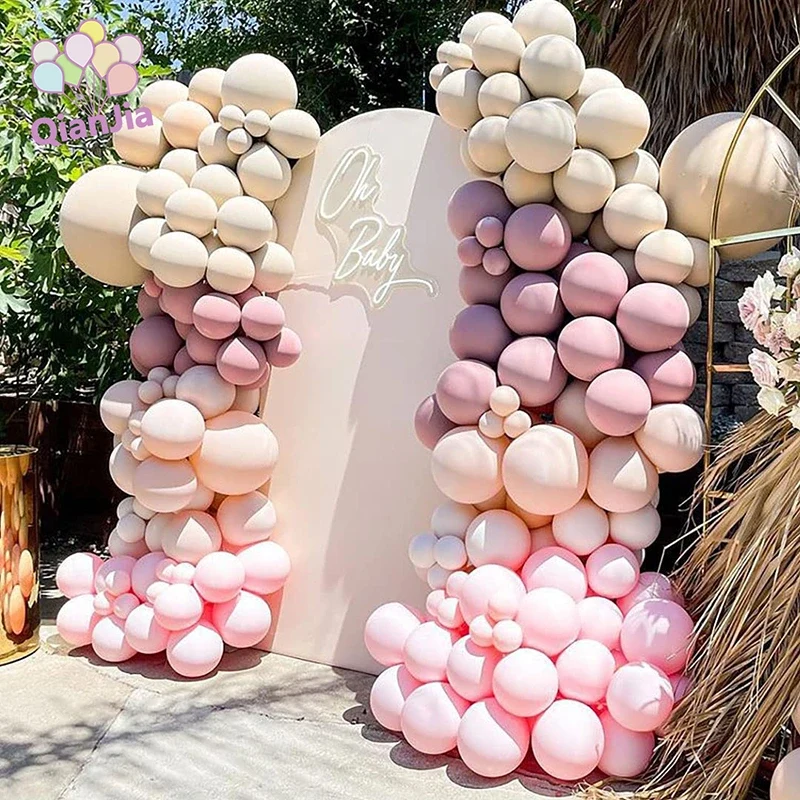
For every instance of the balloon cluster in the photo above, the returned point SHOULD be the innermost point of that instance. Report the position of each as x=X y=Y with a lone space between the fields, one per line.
x=548 y=434
x=191 y=561
x=113 y=62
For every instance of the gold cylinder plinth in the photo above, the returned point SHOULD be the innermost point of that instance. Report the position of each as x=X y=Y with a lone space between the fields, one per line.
x=19 y=554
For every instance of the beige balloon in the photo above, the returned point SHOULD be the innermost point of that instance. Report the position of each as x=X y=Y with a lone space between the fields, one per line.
x=578 y=222
x=264 y=172
x=632 y=212
x=598 y=236
x=497 y=48
x=178 y=259
x=540 y=136
x=205 y=88
x=477 y=22
x=212 y=242
x=665 y=257
x=141 y=147
x=158 y=96
x=543 y=17
x=501 y=94
x=184 y=122
x=231 y=117
x=562 y=104
x=259 y=81
x=457 y=98
x=230 y=270
x=638 y=167
x=456 y=55
x=594 y=79
x=246 y=223
x=693 y=300
x=218 y=182
x=700 y=274
x=192 y=211
x=154 y=189
x=294 y=133
x=585 y=182
x=183 y=161
x=239 y=141
x=466 y=159
x=142 y=237
x=274 y=267
x=523 y=186
x=486 y=144
x=212 y=144
x=437 y=73
x=672 y=437
x=613 y=121
x=627 y=259
x=552 y=66
x=95 y=220
x=757 y=194
x=257 y=122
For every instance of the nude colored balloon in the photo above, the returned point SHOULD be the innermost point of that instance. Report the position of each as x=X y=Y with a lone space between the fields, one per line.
x=632 y=212
x=652 y=316
x=212 y=144
x=141 y=147
x=523 y=186
x=246 y=223
x=259 y=81
x=230 y=270
x=118 y=403
x=626 y=754
x=486 y=145
x=472 y=202
x=659 y=632
x=614 y=121
x=640 y=697
x=498 y=537
x=218 y=182
x=431 y=716
x=295 y=133
x=159 y=95
x=545 y=470
x=540 y=136
x=552 y=66
x=195 y=652
x=109 y=642
x=501 y=94
x=598 y=235
x=386 y=631
x=142 y=237
x=204 y=388
x=182 y=161
x=389 y=693
x=164 y=485
x=265 y=173
x=123 y=467
x=585 y=182
x=592 y=284
x=184 y=121
x=582 y=528
x=535 y=19
x=669 y=374
x=621 y=477
x=205 y=88
x=665 y=256
x=172 y=429
x=530 y=365
x=673 y=437
x=568 y=740
x=635 y=529
x=457 y=98
x=178 y=303
x=154 y=189
x=274 y=267
x=594 y=79
x=178 y=258
x=569 y=411
x=491 y=741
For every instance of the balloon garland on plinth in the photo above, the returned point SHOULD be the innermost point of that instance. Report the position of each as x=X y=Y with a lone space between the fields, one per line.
x=191 y=557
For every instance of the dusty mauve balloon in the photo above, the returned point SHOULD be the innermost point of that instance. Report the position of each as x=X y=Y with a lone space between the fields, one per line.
x=530 y=365
x=588 y=346
x=463 y=390
x=652 y=316
x=479 y=332
x=201 y=349
x=284 y=349
x=617 y=402
x=530 y=304
x=178 y=303
x=470 y=251
x=216 y=315
x=262 y=318
x=537 y=237
x=472 y=202
x=430 y=424
x=154 y=343
x=669 y=374
x=478 y=286
x=241 y=361
x=593 y=284
x=621 y=478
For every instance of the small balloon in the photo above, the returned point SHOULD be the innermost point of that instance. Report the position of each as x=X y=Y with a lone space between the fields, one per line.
x=44 y=50
x=79 y=47
x=105 y=56
x=94 y=29
x=130 y=48
x=121 y=79
x=48 y=77
x=73 y=73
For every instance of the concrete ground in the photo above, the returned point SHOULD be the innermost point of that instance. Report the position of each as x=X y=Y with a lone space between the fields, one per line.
x=262 y=727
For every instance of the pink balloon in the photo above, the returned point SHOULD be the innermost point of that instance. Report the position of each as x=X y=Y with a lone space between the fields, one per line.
x=489 y=231
x=216 y=315
x=470 y=251
x=612 y=570
x=151 y=287
x=386 y=632
x=525 y=682
x=568 y=740
x=148 y=306
x=154 y=342
x=284 y=349
x=389 y=694
x=76 y=620
x=178 y=303
x=463 y=390
x=588 y=346
x=640 y=697
x=531 y=305
x=109 y=642
x=530 y=365
x=143 y=633
x=592 y=284
x=537 y=237
x=103 y=604
x=483 y=584
x=575 y=249
x=618 y=402
x=219 y=577
x=478 y=286
x=241 y=361
x=652 y=316
x=555 y=568
x=191 y=535
x=76 y=573
x=669 y=374
x=178 y=607
x=266 y=567
x=626 y=753
x=479 y=332
x=491 y=741
x=262 y=318
x=496 y=261
x=124 y=605
x=470 y=669
x=621 y=478
x=195 y=652
x=473 y=201
x=549 y=620
x=601 y=621
x=183 y=362
x=650 y=586
x=430 y=424
x=431 y=717
x=79 y=47
x=658 y=632
x=114 y=575
x=584 y=671
x=426 y=651
x=201 y=349
x=243 y=621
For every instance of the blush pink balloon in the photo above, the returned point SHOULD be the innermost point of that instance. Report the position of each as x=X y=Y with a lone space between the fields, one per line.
x=389 y=694
x=470 y=251
x=201 y=349
x=216 y=315
x=491 y=741
x=179 y=303
x=154 y=342
x=584 y=671
x=79 y=47
x=76 y=620
x=478 y=286
x=191 y=535
x=531 y=305
x=463 y=390
x=618 y=402
x=555 y=568
x=592 y=284
x=483 y=584
x=109 y=642
x=626 y=754
x=601 y=621
x=266 y=567
x=121 y=79
x=124 y=605
x=575 y=249
x=262 y=318
x=650 y=586
x=426 y=651
x=76 y=573
x=284 y=349
x=588 y=346
x=669 y=374
x=178 y=607
x=612 y=571
x=241 y=361
x=114 y=575
x=640 y=697
x=195 y=652
x=525 y=682
x=489 y=231
x=387 y=629
x=549 y=620
x=537 y=237
x=568 y=740
x=470 y=669
x=658 y=632
x=431 y=717
x=243 y=621
x=652 y=317
x=430 y=423
x=479 y=332
x=530 y=365
x=473 y=201
x=218 y=577
x=143 y=632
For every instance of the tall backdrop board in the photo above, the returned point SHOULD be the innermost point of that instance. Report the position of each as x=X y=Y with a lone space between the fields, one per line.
x=374 y=293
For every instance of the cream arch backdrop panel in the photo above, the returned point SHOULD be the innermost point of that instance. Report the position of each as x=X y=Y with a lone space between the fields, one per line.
x=375 y=291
